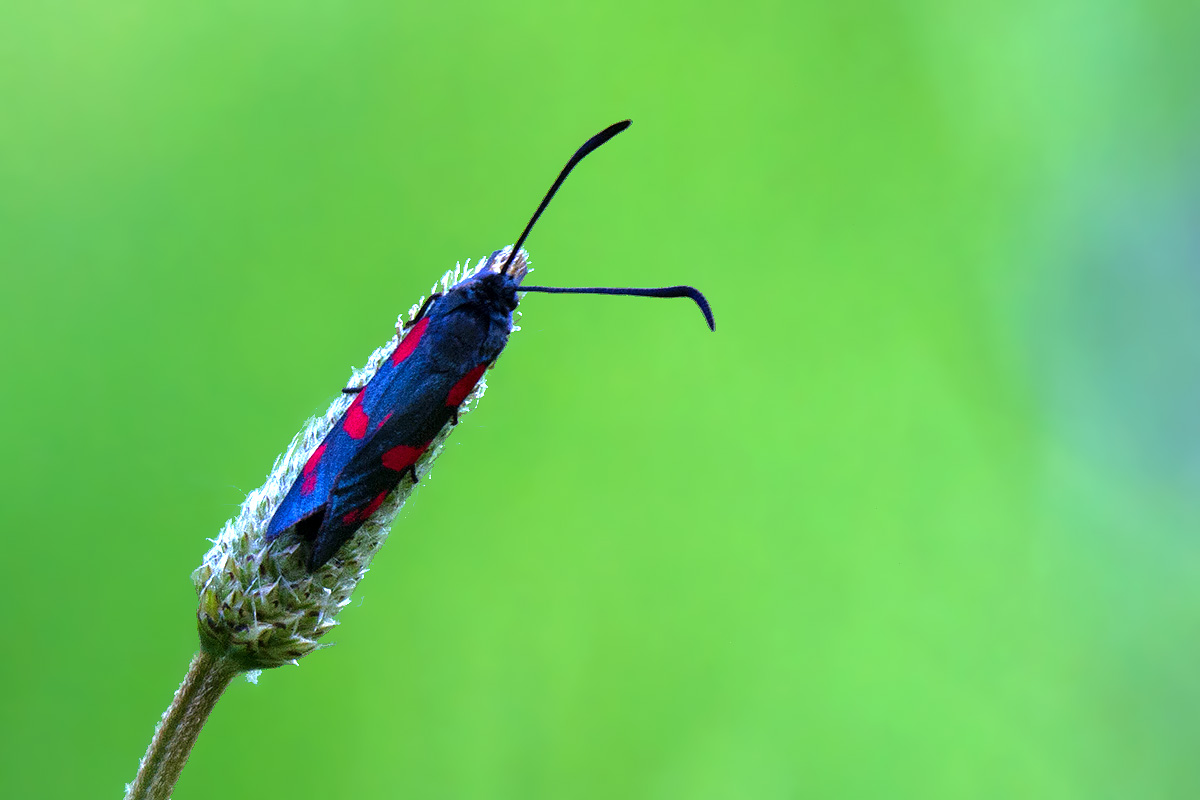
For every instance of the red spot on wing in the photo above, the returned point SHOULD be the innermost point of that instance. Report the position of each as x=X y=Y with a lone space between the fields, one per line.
x=401 y=457
x=385 y=419
x=356 y=421
x=362 y=514
x=310 y=470
x=409 y=343
x=464 y=386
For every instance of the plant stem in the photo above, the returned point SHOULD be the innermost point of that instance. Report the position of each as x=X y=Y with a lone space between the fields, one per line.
x=206 y=679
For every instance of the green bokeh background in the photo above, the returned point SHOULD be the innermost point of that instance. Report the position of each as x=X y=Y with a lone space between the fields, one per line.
x=920 y=520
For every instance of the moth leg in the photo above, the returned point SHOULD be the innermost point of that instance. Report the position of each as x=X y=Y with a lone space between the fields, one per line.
x=421 y=311
x=412 y=471
x=353 y=389
x=454 y=419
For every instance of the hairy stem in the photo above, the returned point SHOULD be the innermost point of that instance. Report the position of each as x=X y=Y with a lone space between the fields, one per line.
x=206 y=679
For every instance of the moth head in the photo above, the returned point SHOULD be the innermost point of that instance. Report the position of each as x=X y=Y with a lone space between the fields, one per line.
x=490 y=285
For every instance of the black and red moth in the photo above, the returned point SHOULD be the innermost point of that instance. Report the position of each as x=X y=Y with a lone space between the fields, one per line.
x=417 y=390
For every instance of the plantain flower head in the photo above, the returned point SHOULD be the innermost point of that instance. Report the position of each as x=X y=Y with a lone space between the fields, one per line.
x=259 y=606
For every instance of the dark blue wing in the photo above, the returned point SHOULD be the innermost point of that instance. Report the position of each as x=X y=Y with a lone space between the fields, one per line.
x=310 y=492
x=415 y=415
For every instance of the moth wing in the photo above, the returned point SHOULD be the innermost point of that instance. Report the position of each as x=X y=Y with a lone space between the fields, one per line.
x=310 y=491
x=413 y=418
x=309 y=494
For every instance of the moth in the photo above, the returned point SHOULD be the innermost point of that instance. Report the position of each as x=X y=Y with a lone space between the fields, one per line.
x=417 y=390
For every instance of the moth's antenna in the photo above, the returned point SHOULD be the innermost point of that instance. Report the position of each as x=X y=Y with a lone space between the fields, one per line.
x=666 y=291
x=588 y=146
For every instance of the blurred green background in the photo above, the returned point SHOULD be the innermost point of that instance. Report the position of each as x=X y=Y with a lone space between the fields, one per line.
x=920 y=520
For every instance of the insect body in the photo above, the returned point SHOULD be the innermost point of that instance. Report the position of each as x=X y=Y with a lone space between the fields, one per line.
x=417 y=390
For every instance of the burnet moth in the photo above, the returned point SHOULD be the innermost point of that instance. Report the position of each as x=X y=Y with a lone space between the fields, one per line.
x=418 y=388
